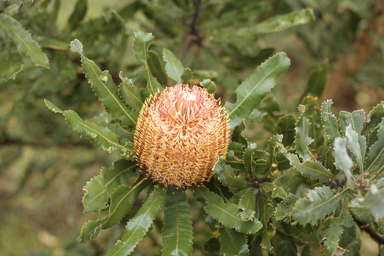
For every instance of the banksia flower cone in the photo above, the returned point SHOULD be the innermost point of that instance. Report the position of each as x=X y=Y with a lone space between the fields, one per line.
x=179 y=136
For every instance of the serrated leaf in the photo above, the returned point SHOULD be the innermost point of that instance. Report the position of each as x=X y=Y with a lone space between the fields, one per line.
x=319 y=203
x=342 y=160
x=102 y=137
x=227 y=176
x=254 y=88
x=130 y=94
x=373 y=202
x=279 y=192
x=248 y=160
x=317 y=80
x=226 y=214
x=138 y=226
x=174 y=68
x=209 y=85
x=356 y=119
x=310 y=168
x=23 y=40
x=95 y=195
x=237 y=134
x=302 y=139
x=374 y=117
x=153 y=85
x=264 y=212
x=156 y=64
x=177 y=230
x=281 y=22
x=105 y=89
x=188 y=76
x=141 y=45
x=284 y=208
x=335 y=229
x=356 y=145
x=286 y=127
x=247 y=205
x=374 y=161
x=233 y=242
x=10 y=65
x=329 y=120
x=122 y=199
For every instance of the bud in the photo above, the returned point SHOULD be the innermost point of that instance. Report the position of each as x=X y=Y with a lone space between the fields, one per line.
x=180 y=134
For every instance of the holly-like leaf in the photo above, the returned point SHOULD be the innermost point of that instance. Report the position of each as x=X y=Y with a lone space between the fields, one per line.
x=227 y=176
x=233 y=242
x=254 y=88
x=310 y=168
x=319 y=203
x=130 y=94
x=102 y=137
x=23 y=40
x=141 y=45
x=302 y=139
x=139 y=225
x=356 y=119
x=357 y=146
x=105 y=89
x=226 y=214
x=95 y=195
x=373 y=202
x=177 y=231
x=284 y=208
x=374 y=161
x=281 y=22
x=247 y=205
x=122 y=199
x=329 y=121
x=174 y=68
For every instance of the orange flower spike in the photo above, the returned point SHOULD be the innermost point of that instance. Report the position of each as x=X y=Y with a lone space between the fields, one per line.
x=180 y=134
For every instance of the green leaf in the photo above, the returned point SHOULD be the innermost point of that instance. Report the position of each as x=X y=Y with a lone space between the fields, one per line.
x=122 y=199
x=103 y=137
x=286 y=127
x=330 y=123
x=254 y=88
x=302 y=139
x=105 y=89
x=237 y=134
x=233 y=242
x=177 y=230
x=264 y=212
x=310 y=168
x=209 y=85
x=138 y=226
x=373 y=202
x=212 y=246
x=156 y=65
x=23 y=40
x=247 y=205
x=335 y=230
x=188 y=76
x=130 y=94
x=227 y=176
x=226 y=214
x=141 y=45
x=283 y=209
x=95 y=195
x=250 y=165
x=174 y=68
x=77 y=15
x=281 y=22
x=153 y=85
x=317 y=81
x=10 y=65
x=342 y=160
x=356 y=145
x=279 y=192
x=356 y=119
x=374 y=161
x=319 y=203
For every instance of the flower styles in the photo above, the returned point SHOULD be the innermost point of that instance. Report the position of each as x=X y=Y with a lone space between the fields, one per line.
x=180 y=134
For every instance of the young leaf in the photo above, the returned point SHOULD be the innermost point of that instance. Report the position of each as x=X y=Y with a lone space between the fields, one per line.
x=95 y=195
x=357 y=145
x=342 y=160
x=247 y=205
x=174 y=68
x=329 y=121
x=100 y=136
x=374 y=161
x=227 y=176
x=281 y=22
x=233 y=242
x=105 y=89
x=319 y=203
x=130 y=94
x=177 y=231
x=310 y=168
x=373 y=202
x=122 y=200
x=302 y=139
x=23 y=40
x=254 y=88
x=226 y=214
x=138 y=226
x=141 y=45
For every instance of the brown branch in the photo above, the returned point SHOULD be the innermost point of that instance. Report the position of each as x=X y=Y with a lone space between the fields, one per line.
x=375 y=236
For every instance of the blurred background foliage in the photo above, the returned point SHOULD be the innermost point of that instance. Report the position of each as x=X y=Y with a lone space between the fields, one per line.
x=44 y=165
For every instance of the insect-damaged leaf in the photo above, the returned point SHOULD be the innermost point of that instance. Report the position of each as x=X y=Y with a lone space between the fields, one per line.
x=254 y=88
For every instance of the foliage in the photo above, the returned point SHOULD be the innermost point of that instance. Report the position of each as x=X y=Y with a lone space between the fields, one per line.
x=313 y=183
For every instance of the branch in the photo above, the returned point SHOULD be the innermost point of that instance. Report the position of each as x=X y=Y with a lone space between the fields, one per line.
x=375 y=236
